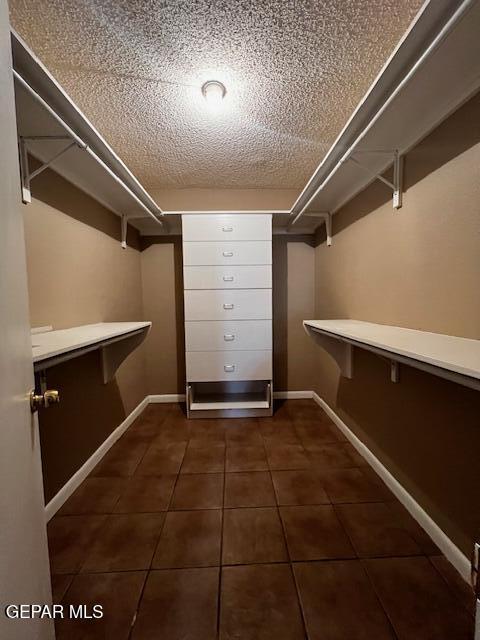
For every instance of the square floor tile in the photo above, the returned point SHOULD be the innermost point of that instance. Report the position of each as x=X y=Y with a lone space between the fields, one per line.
x=421 y=537
x=339 y=602
x=245 y=433
x=315 y=533
x=198 y=491
x=178 y=604
x=117 y=593
x=329 y=456
x=169 y=433
x=349 y=485
x=162 y=460
x=204 y=459
x=417 y=600
x=313 y=434
x=94 y=495
x=190 y=539
x=259 y=602
x=203 y=433
x=252 y=535
x=126 y=542
x=373 y=531
x=286 y=456
x=298 y=487
x=461 y=590
x=146 y=494
x=246 y=458
x=122 y=459
x=70 y=539
x=249 y=489
x=283 y=433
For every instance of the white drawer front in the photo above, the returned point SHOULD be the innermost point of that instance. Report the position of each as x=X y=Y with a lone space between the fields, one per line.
x=205 y=366
x=235 y=277
x=228 y=304
x=237 y=335
x=231 y=227
x=227 y=253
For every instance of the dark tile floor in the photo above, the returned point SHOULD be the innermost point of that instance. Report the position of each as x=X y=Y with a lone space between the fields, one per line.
x=258 y=529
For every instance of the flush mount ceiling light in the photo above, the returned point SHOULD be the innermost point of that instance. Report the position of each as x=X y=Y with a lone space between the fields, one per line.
x=214 y=92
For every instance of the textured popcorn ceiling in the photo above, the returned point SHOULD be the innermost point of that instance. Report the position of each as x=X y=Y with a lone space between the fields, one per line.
x=294 y=72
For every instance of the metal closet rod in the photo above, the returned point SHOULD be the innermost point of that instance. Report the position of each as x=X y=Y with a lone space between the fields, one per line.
x=452 y=21
x=85 y=147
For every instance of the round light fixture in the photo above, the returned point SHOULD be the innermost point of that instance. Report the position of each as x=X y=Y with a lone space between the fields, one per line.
x=214 y=92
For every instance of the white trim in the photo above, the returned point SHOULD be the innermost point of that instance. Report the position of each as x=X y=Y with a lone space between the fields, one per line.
x=166 y=397
x=79 y=476
x=443 y=542
x=292 y=395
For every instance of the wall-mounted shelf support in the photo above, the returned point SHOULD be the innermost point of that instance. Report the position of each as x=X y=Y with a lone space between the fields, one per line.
x=124 y=231
x=394 y=371
x=340 y=351
x=327 y=218
x=25 y=174
x=397 y=185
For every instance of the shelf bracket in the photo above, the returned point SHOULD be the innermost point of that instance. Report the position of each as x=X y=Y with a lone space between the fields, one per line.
x=339 y=350
x=25 y=174
x=394 y=371
x=124 y=231
x=327 y=218
x=397 y=185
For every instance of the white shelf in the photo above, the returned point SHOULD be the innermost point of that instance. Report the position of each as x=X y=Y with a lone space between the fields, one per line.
x=116 y=340
x=450 y=357
x=230 y=404
x=433 y=71
x=94 y=168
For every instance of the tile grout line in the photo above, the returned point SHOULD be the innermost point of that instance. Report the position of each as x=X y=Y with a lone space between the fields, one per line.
x=147 y=572
x=220 y=568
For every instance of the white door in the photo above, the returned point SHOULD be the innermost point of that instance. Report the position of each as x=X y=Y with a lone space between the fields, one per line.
x=24 y=572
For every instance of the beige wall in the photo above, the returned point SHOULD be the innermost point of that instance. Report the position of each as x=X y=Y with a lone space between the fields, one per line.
x=162 y=287
x=79 y=274
x=418 y=267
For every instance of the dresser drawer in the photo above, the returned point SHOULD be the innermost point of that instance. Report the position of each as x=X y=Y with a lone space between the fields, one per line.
x=235 y=277
x=226 y=227
x=227 y=253
x=236 y=335
x=228 y=304
x=210 y=366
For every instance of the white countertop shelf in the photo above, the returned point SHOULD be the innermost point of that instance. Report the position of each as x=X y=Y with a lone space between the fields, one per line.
x=450 y=357
x=116 y=339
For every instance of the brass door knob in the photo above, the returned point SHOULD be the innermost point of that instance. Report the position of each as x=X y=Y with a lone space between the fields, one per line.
x=50 y=396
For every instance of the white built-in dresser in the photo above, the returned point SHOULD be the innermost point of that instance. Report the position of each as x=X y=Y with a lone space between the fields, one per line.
x=227 y=272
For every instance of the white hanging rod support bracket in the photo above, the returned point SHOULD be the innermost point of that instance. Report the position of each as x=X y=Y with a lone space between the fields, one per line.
x=327 y=218
x=397 y=185
x=124 y=231
x=26 y=175
x=71 y=134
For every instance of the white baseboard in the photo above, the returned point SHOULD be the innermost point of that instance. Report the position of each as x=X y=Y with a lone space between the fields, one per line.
x=166 y=397
x=440 y=538
x=79 y=476
x=292 y=395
